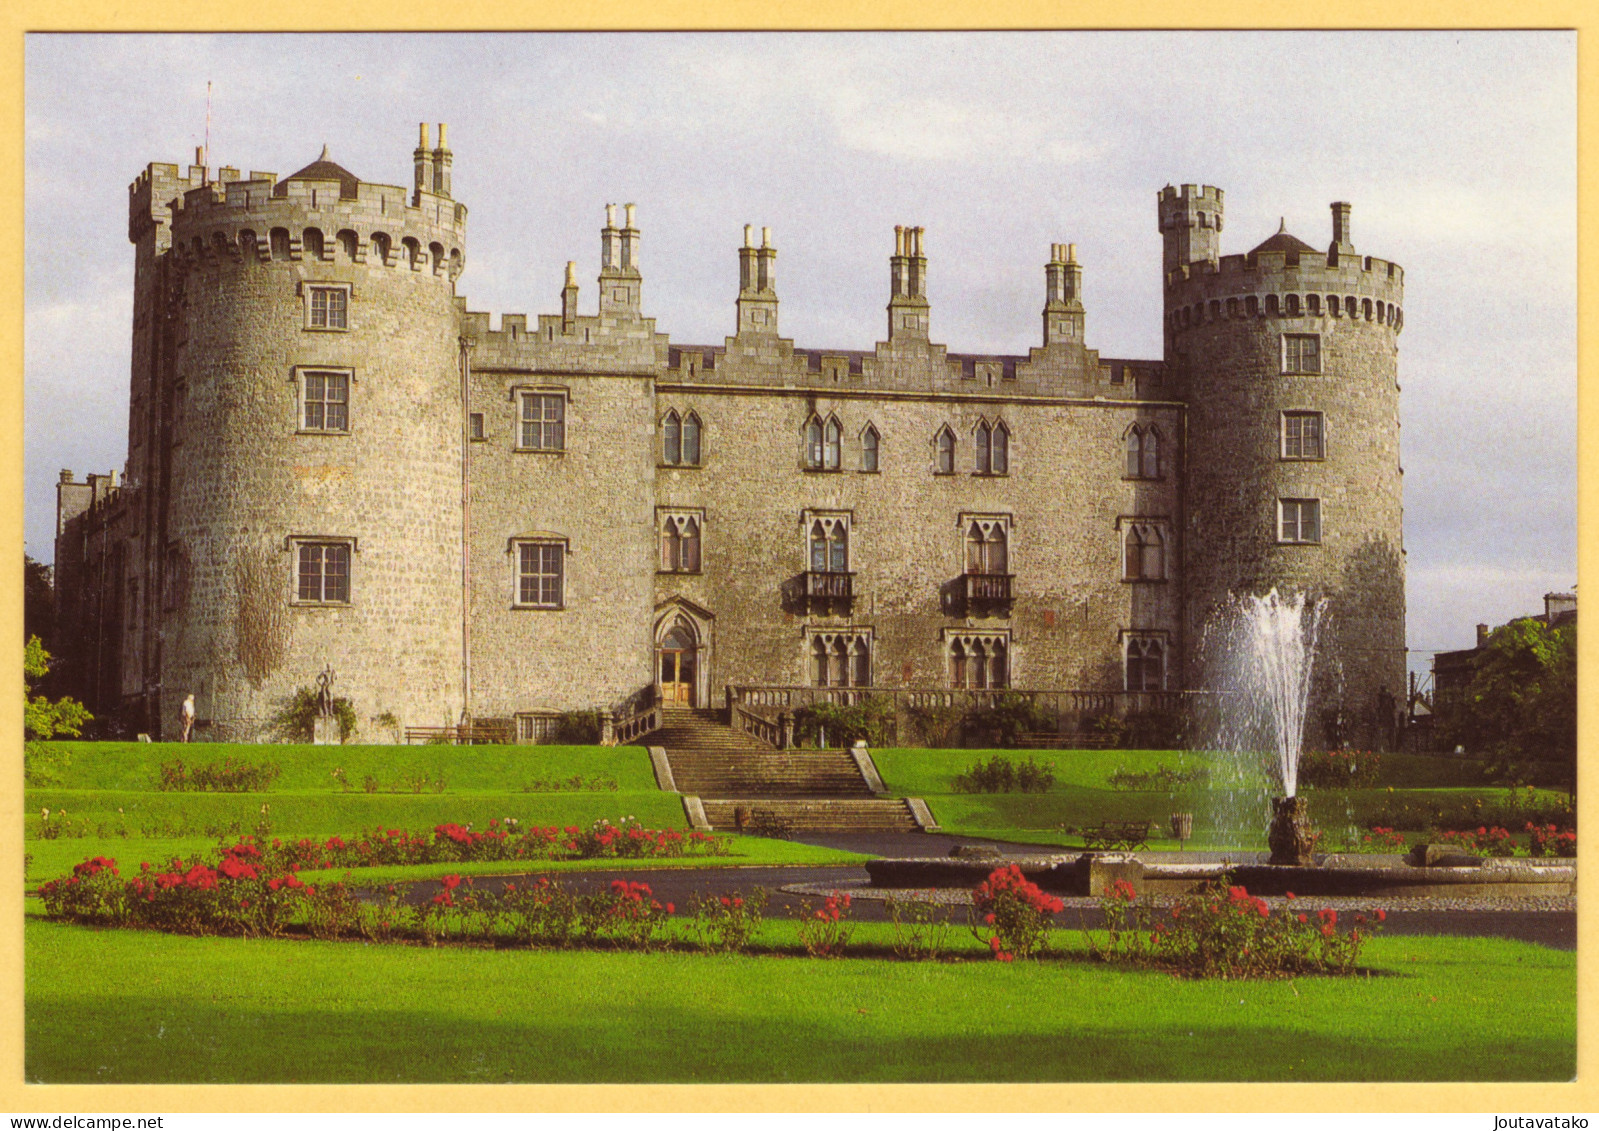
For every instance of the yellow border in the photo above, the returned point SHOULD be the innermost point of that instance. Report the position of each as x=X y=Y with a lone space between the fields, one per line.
x=22 y=16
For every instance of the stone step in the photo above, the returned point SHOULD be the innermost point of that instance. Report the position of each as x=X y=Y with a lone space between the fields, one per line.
x=818 y=815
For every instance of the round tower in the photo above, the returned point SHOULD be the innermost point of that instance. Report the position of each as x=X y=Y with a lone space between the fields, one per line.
x=314 y=512
x=1289 y=361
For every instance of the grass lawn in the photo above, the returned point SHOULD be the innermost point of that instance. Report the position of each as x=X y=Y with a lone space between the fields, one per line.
x=107 y=788
x=493 y=768
x=132 y=1007
x=1425 y=790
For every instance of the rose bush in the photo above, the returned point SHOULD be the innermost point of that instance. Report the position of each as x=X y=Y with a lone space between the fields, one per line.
x=825 y=931
x=1012 y=915
x=1221 y=931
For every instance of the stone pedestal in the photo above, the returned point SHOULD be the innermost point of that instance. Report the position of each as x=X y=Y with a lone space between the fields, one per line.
x=1290 y=837
x=1093 y=872
x=325 y=730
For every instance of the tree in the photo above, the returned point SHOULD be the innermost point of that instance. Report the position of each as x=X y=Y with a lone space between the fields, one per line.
x=42 y=718
x=38 y=600
x=1521 y=703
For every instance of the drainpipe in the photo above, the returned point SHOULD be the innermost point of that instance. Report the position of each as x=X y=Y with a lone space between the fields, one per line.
x=466 y=531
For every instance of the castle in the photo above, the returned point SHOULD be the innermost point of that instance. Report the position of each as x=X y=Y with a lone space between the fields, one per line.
x=332 y=460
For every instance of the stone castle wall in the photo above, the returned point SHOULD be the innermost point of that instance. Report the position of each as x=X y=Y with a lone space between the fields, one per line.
x=248 y=480
x=1226 y=321
x=225 y=479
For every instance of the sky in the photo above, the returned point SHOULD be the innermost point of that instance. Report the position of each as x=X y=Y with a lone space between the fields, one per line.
x=1457 y=151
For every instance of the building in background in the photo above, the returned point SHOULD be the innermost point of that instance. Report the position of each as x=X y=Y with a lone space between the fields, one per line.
x=331 y=460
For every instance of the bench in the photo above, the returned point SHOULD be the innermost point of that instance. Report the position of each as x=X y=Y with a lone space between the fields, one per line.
x=1052 y=740
x=468 y=735
x=1118 y=834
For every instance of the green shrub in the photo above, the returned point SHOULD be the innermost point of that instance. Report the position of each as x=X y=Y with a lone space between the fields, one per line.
x=1339 y=769
x=226 y=776
x=44 y=765
x=1013 y=715
x=294 y=720
x=936 y=727
x=1163 y=777
x=870 y=720
x=1000 y=775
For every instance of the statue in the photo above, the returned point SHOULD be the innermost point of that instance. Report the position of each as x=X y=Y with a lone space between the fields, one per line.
x=324 y=693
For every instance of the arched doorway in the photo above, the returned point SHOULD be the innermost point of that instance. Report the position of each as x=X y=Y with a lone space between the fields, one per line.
x=678 y=664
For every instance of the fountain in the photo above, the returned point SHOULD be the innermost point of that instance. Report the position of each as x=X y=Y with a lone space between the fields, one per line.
x=1262 y=659
x=1268 y=655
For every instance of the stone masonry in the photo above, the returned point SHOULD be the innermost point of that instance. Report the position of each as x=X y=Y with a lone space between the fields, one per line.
x=333 y=461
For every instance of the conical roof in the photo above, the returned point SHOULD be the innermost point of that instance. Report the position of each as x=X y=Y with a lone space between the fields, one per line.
x=1283 y=242
x=323 y=169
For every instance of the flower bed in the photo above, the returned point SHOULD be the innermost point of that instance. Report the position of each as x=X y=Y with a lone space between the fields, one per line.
x=504 y=840
x=252 y=886
x=1224 y=932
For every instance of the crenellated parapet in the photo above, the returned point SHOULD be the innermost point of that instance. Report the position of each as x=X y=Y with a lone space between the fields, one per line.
x=317 y=215
x=1282 y=278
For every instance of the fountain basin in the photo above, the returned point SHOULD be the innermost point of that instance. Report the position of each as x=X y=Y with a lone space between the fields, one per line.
x=1089 y=873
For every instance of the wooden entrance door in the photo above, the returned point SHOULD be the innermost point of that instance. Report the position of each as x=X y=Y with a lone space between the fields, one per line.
x=678 y=667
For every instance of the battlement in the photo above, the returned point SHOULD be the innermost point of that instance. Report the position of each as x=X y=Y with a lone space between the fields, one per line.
x=151 y=194
x=262 y=219
x=1283 y=284
x=1190 y=221
x=1285 y=277
x=1189 y=199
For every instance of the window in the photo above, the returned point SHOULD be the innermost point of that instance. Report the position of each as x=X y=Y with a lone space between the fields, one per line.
x=474 y=425
x=324 y=573
x=538 y=729
x=324 y=401
x=823 y=444
x=1143 y=452
x=1146 y=663
x=1144 y=552
x=680 y=543
x=672 y=439
x=1302 y=434
x=691 y=440
x=944 y=463
x=174 y=578
x=993 y=449
x=329 y=308
x=841 y=659
x=979 y=661
x=543 y=422
x=1301 y=353
x=829 y=544
x=1299 y=520
x=540 y=574
x=869 y=441
x=680 y=440
x=987 y=546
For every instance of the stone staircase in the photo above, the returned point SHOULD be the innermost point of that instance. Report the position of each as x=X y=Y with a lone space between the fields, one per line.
x=731 y=780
